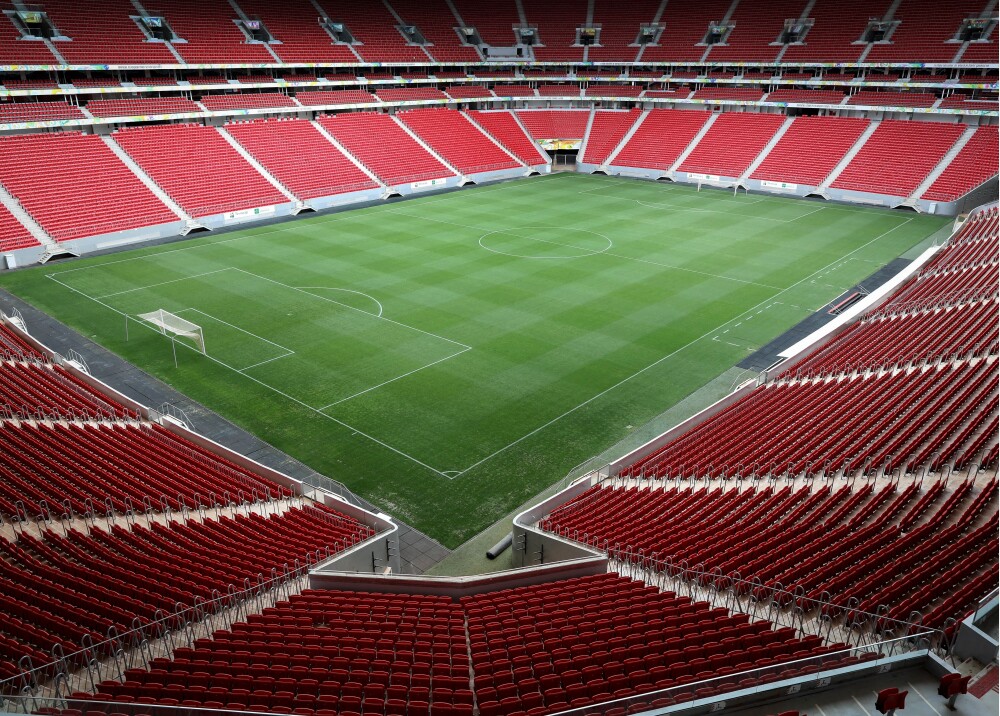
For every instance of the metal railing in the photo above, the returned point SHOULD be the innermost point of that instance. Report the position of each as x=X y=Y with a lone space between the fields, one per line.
x=84 y=670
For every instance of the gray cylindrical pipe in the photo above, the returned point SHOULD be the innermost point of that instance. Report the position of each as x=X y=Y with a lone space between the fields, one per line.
x=500 y=547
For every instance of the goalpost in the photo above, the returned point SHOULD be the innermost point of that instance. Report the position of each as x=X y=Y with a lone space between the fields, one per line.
x=173 y=326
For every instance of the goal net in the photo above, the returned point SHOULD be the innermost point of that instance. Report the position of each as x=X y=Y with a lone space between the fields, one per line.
x=170 y=324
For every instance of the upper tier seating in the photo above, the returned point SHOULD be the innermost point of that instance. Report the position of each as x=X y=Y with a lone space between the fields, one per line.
x=73 y=184
x=13 y=236
x=503 y=127
x=374 y=27
x=606 y=132
x=661 y=138
x=613 y=91
x=294 y=22
x=555 y=123
x=14 y=50
x=198 y=168
x=973 y=165
x=45 y=111
x=384 y=147
x=758 y=24
x=744 y=94
x=494 y=21
x=957 y=101
x=563 y=89
x=880 y=98
x=142 y=107
x=246 y=100
x=514 y=91
x=437 y=24
x=824 y=96
x=898 y=156
x=923 y=31
x=686 y=24
x=469 y=92
x=732 y=143
x=682 y=92
x=322 y=98
x=212 y=36
x=406 y=94
x=557 y=21
x=810 y=149
x=619 y=28
x=457 y=140
x=102 y=33
x=300 y=157
x=839 y=23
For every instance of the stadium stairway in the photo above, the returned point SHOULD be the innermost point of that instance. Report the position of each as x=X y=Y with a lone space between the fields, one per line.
x=333 y=140
x=767 y=149
x=626 y=139
x=682 y=157
x=942 y=166
x=14 y=207
x=427 y=148
x=252 y=161
x=848 y=158
x=150 y=184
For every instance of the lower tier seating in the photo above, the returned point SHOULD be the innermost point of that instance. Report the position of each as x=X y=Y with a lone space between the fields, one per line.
x=456 y=139
x=810 y=149
x=898 y=156
x=72 y=184
x=385 y=147
x=300 y=157
x=974 y=164
x=732 y=143
x=13 y=234
x=606 y=133
x=93 y=467
x=61 y=588
x=555 y=123
x=832 y=544
x=661 y=138
x=197 y=167
x=504 y=127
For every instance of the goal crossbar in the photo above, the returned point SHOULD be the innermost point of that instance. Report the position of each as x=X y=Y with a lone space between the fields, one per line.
x=170 y=324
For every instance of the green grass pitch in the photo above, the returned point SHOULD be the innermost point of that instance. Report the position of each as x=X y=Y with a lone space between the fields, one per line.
x=450 y=356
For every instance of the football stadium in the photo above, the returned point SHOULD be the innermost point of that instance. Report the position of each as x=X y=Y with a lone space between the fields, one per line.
x=499 y=357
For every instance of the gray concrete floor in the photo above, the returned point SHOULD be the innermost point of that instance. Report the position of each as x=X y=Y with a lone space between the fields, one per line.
x=859 y=698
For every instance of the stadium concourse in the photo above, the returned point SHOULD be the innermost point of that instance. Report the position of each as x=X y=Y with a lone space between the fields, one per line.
x=821 y=540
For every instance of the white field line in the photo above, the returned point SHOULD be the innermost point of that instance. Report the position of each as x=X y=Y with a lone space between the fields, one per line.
x=670 y=355
x=314 y=222
x=353 y=308
x=265 y=385
x=163 y=283
x=579 y=248
x=393 y=380
x=288 y=351
x=346 y=290
x=452 y=474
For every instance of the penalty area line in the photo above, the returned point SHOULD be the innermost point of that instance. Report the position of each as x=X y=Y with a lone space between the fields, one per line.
x=261 y=383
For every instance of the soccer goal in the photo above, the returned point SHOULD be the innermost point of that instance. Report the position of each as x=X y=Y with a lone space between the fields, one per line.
x=172 y=325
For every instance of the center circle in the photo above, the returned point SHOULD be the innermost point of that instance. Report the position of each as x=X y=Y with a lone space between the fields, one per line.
x=545 y=242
